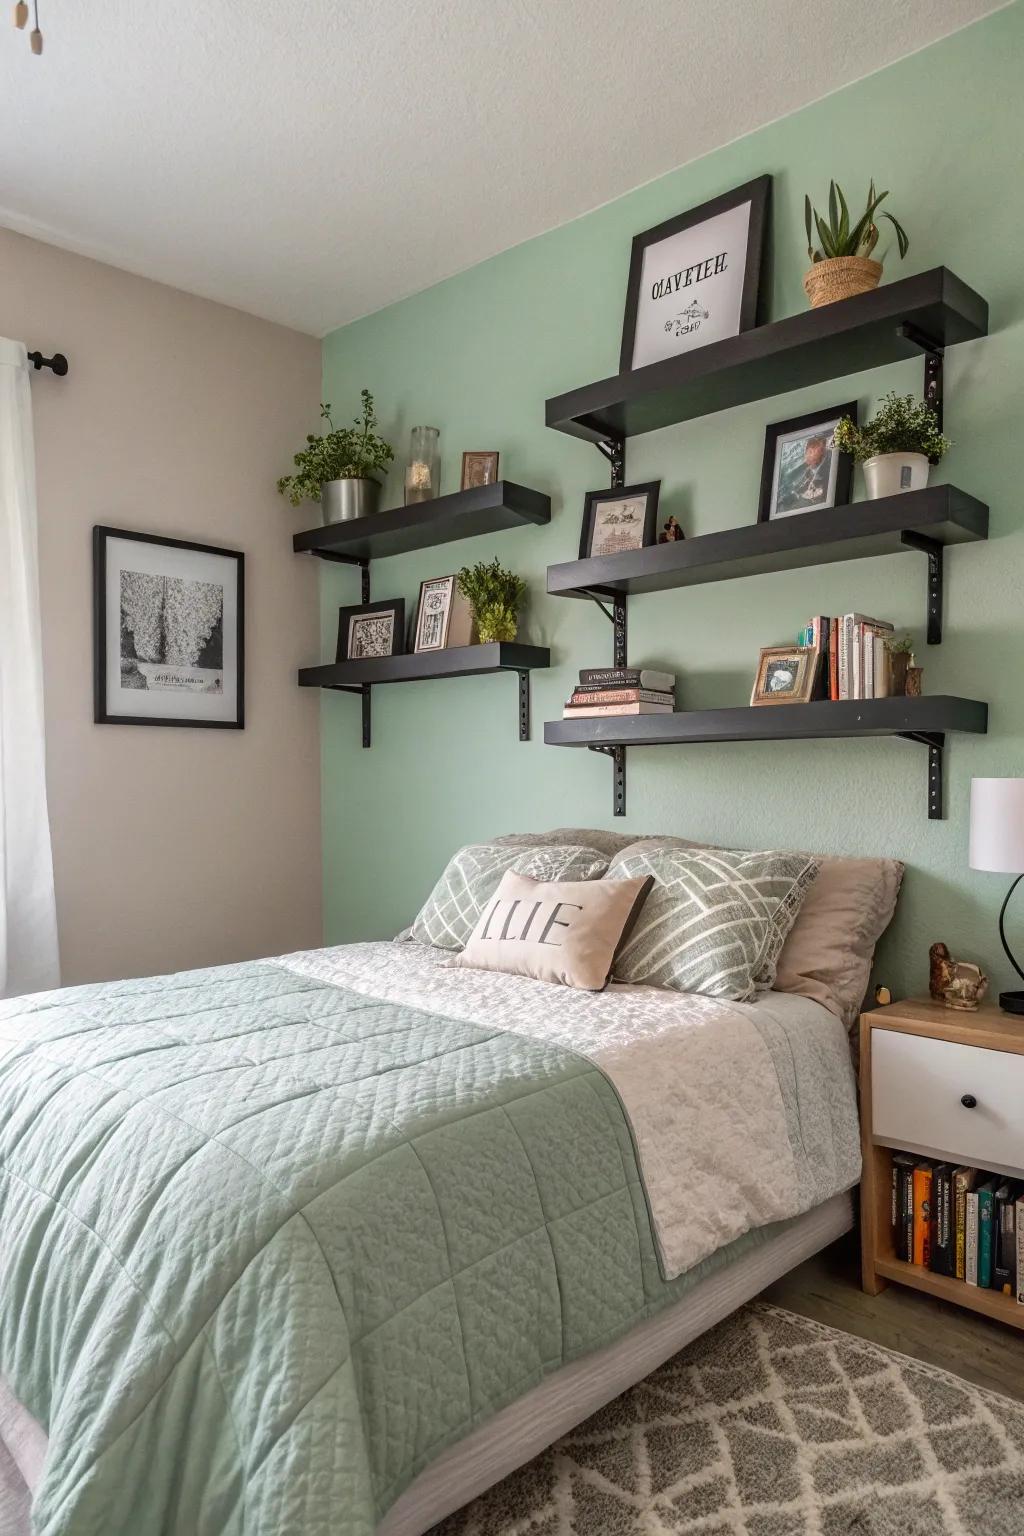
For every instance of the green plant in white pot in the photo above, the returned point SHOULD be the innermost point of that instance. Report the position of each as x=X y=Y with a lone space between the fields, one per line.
x=339 y=469
x=897 y=447
x=495 y=596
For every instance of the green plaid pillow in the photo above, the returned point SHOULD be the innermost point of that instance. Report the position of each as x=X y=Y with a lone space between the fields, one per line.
x=715 y=921
x=472 y=876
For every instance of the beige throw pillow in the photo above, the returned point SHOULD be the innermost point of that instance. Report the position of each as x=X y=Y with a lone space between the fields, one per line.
x=562 y=931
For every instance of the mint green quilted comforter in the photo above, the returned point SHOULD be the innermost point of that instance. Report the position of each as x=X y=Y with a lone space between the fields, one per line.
x=268 y=1245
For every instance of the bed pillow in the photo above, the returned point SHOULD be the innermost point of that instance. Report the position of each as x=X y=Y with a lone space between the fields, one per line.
x=472 y=876
x=715 y=921
x=561 y=931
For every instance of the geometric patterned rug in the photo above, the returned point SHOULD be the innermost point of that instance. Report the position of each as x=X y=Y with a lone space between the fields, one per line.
x=773 y=1425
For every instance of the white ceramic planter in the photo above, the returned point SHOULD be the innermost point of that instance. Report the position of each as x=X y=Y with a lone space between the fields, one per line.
x=889 y=473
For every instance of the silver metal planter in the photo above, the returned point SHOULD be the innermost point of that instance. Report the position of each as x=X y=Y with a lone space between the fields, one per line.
x=343 y=500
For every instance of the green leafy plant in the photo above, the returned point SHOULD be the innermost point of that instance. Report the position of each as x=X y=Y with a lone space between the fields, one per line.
x=899 y=645
x=903 y=425
x=495 y=596
x=838 y=237
x=343 y=453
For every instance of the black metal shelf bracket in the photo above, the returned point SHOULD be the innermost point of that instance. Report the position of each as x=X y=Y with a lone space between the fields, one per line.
x=524 y=706
x=616 y=616
x=936 y=568
x=933 y=356
x=618 y=757
x=614 y=450
x=935 y=741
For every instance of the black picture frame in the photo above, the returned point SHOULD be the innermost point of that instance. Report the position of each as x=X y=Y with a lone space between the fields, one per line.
x=593 y=499
x=823 y=417
x=395 y=605
x=758 y=194
x=102 y=714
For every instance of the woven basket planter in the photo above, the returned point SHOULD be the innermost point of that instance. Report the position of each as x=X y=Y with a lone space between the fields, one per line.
x=841 y=277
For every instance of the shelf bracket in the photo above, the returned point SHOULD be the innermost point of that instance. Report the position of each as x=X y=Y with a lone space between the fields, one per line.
x=934 y=550
x=524 y=706
x=933 y=355
x=614 y=450
x=935 y=741
x=618 y=757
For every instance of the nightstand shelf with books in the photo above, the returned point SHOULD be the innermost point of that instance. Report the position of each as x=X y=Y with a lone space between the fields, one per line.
x=942 y=1124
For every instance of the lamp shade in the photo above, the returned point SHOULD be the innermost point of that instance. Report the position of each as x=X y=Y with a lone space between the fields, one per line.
x=997 y=825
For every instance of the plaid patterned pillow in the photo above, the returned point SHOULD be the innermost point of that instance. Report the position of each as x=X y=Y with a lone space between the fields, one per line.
x=472 y=876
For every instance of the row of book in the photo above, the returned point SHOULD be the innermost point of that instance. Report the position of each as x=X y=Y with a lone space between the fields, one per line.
x=960 y=1222
x=621 y=691
x=853 y=660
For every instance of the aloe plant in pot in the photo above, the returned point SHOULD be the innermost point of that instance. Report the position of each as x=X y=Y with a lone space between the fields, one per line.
x=842 y=263
x=340 y=467
x=897 y=447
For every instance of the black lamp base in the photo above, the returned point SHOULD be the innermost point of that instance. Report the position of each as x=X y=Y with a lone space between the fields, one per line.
x=1012 y=1002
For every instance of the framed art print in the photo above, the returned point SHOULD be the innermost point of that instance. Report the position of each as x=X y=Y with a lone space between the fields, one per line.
x=479 y=469
x=696 y=278
x=371 y=629
x=434 y=613
x=786 y=674
x=614 y=521
x=802 y=469
x=168 y=631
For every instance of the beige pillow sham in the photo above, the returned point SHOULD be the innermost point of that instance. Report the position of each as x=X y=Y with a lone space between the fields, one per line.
x=562 y=931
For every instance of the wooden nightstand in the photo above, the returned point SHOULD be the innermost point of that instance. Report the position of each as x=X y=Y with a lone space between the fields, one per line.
x=945 y=1085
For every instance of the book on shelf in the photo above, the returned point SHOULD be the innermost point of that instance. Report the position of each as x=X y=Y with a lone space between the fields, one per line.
x=986 y=1193
x=971 y=1251
x=857 y=635
x=582 y=695
x=922 y=1214
x=1004 y=1244
x=962 y=1223
x=943 y=1256
x=902 y=1205
x=627 y=677
x=596 y=711
x=1018 y=1218
x=963 y=1183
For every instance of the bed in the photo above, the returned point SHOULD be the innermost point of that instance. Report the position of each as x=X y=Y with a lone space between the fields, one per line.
x=331 y=1242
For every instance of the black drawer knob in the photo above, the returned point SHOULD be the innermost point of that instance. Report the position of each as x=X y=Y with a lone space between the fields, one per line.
x=969 y=1101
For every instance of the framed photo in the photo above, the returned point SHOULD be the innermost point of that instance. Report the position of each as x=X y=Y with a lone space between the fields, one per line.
x=168 y=631
x=479 y=469
x=803 y=470
x=696 y=278
x=618 y=520
x=371 y=629
x=787 y=674
x=433 y=616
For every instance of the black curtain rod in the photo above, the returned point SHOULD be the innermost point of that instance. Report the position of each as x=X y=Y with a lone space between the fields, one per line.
x=58 y=362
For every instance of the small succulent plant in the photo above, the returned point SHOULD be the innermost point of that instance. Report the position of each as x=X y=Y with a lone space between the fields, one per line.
x=838 y=237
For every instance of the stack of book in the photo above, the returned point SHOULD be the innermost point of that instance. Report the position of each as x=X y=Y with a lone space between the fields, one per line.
x=960 y=1222
x=855 y=663
x=621 y=691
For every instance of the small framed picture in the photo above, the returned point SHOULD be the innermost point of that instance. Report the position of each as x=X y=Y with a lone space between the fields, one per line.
x=433 y=615
x=786 y=674
x=803 y=470
x=696 y=278
x=614 y=521
x=168 y=631
x=371 y=629
x=479 y=469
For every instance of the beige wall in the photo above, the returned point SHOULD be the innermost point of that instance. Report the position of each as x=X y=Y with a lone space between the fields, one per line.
x=172 y=847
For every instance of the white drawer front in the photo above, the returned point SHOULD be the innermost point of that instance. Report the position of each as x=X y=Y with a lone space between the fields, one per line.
x=916 y=1088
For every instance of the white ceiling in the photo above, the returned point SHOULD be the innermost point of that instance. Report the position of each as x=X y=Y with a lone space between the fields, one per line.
x=313 y=160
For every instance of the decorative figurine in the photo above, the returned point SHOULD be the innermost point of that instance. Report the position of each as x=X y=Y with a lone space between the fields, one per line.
x=956 y=983
x=883 y=997
x=670 y=532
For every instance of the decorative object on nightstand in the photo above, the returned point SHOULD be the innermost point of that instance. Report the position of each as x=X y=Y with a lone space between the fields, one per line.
x=955 y=983
x=940 y=1121
x=997 y=844
x=423 y=471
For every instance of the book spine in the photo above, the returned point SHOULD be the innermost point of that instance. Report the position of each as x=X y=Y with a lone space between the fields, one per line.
x=985 y=1238
x=1019 y=1225
x=960 y=1184
x=971 y=1239
x=902 y=1206
x=844 y=655
x=584 y=711
x=620 y=696
x=627 y=677
x=833 y=658
x=922 y=1216
x=1003 y=1242
x=857 y=681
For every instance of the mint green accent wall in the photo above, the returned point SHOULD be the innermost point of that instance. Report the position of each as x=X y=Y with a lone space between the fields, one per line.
x=477 y=356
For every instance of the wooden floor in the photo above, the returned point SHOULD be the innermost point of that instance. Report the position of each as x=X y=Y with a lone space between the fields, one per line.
x=827 y=1289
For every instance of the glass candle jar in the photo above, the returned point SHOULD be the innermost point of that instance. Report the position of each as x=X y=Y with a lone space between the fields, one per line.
x=423 y=470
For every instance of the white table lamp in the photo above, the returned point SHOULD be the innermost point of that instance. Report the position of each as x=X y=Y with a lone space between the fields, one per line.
x=997 y=844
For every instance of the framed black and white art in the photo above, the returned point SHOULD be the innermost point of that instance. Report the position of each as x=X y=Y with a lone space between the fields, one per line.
x=802 y=469
x=696 y=278
x=614 y=521
x=168 y=631
x=371 y=629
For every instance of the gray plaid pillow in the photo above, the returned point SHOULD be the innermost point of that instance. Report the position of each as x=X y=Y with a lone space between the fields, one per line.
x=715 y=921
x=472 y=876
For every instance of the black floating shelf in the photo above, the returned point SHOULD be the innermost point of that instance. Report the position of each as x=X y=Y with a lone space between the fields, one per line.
x=461 y=515
x=924 y=720
x=932 y=310
x=456 y=661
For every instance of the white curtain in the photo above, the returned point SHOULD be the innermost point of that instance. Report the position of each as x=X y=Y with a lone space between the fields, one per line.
x=28 y=919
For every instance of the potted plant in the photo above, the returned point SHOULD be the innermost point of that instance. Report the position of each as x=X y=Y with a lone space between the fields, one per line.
x=896 y=447
x=841 y=262
x=339 y=468
x=899 y=653
x=495 y=596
